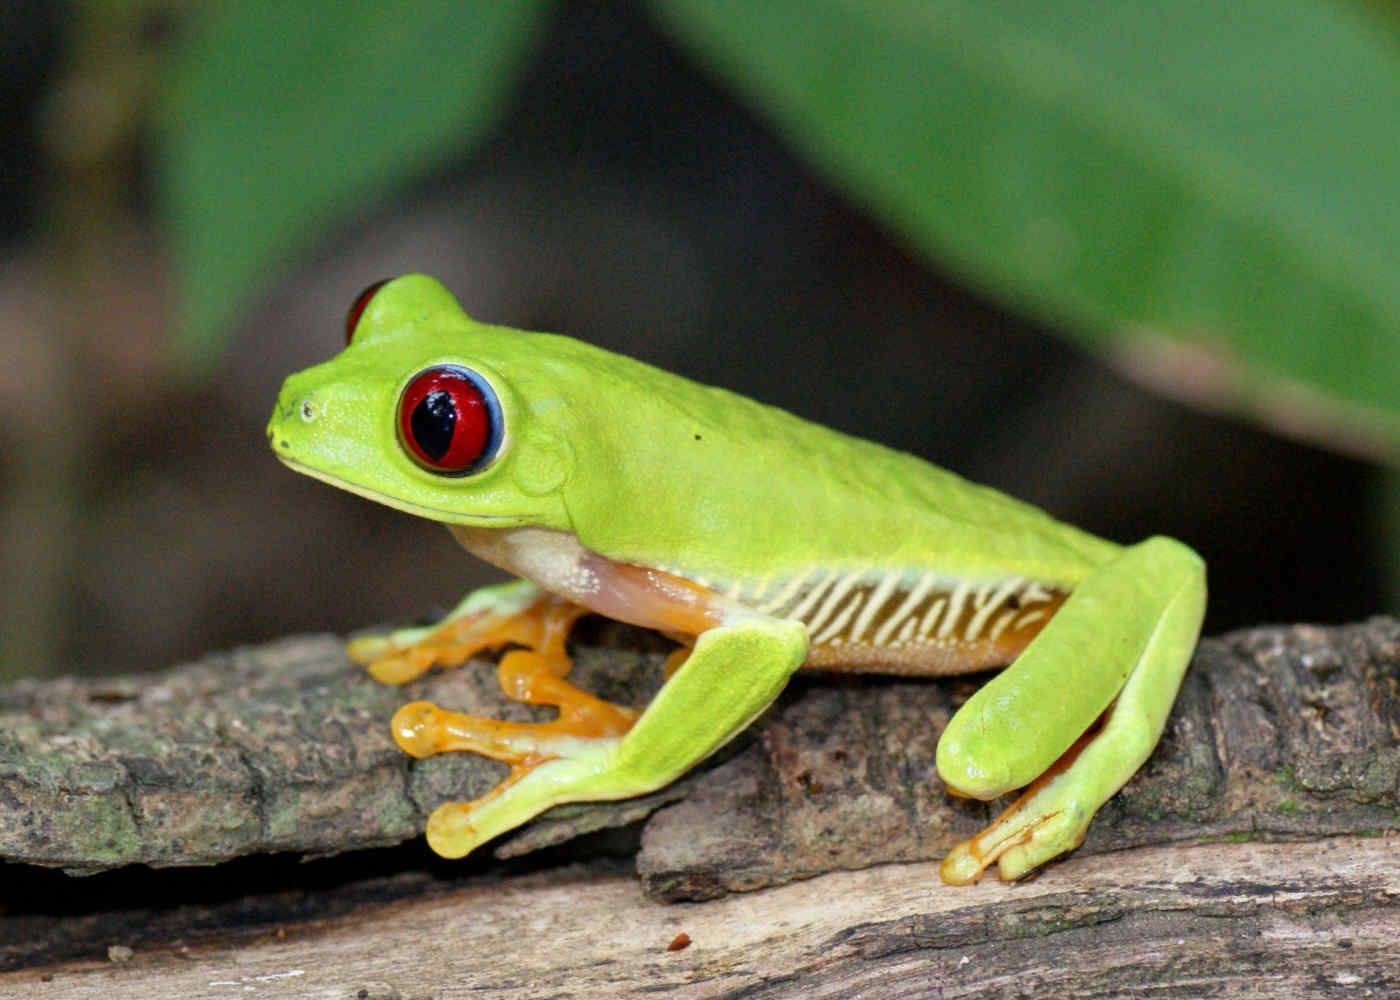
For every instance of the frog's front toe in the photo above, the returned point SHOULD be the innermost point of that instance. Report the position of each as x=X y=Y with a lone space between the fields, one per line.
x=550 y=761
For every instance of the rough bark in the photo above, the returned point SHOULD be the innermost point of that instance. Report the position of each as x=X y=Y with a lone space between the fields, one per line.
x=1289 y=735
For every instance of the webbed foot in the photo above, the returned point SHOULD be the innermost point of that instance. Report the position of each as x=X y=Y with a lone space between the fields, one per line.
x=1046 y=820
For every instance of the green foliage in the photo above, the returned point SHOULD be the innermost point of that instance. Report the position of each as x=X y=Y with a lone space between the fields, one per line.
x=1224 y=173
x=1217 y=176
x=283 y=118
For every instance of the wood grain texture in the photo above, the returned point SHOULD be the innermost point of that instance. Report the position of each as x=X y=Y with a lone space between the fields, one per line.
x=1304 y=919
x=1256 y=854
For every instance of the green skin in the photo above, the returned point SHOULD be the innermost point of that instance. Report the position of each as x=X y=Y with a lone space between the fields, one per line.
x=646 y=468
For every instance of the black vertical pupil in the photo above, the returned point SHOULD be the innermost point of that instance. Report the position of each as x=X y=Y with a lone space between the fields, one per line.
x=432 y=422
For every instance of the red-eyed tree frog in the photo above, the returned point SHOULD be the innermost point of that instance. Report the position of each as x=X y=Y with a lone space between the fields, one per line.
x=760 y=543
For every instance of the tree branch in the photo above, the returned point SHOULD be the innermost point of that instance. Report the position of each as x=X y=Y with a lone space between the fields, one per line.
x=1287 y=734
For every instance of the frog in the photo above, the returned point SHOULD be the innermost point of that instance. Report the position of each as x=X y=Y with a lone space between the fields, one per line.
x=760 y=543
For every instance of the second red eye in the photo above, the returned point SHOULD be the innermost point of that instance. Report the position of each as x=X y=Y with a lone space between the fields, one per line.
x=450 y=420
x=357 y=308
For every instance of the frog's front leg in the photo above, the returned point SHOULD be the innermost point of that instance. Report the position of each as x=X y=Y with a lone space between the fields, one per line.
x=733 y=673
x=1128 y=631
x=594 y=750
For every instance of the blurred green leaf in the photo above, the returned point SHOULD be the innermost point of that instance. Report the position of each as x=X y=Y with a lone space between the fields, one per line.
x=1224 y=173
x=281 y=118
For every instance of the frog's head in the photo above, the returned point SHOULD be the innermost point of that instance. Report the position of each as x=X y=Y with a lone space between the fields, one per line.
x=419 y=413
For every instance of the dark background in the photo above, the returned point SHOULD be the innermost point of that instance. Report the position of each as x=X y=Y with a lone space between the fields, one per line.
x=628 y=200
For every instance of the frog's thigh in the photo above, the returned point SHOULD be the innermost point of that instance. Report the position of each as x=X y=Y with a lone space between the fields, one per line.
x=1135 y=618
x=734 y=672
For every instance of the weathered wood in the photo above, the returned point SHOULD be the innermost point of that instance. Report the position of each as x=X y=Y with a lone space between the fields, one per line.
x=285 y=747
x=1277 y=732
x=1308 y=919
x=1280 y=734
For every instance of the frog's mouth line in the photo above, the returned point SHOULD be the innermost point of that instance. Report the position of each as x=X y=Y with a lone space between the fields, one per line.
x=417 y=510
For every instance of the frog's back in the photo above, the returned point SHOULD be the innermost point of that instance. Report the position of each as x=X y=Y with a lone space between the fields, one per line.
x=760 y=489
x=875 y=550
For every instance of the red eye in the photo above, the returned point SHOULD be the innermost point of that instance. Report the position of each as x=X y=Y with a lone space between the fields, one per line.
x=450 y=420
x=357 y=308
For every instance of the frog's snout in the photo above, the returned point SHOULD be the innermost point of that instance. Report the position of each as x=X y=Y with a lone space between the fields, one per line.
x=294 y=405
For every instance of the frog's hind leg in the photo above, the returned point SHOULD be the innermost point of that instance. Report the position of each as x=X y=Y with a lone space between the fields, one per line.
x=1132 y=624
x=517 y=613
